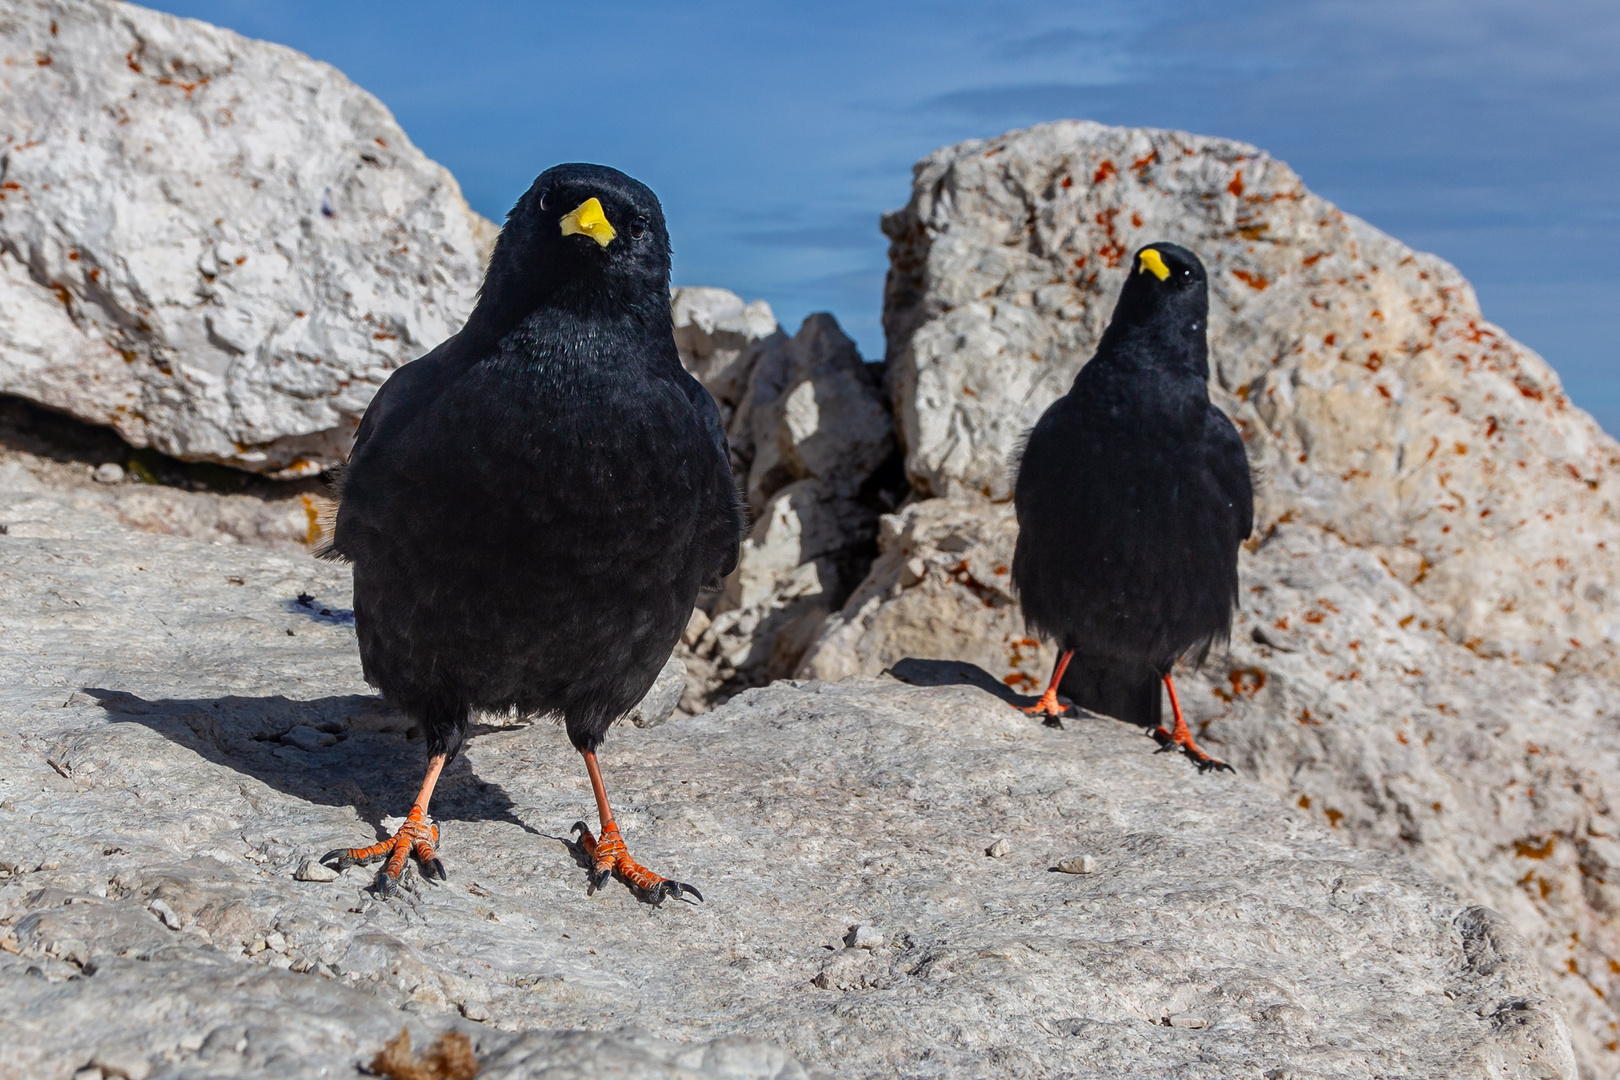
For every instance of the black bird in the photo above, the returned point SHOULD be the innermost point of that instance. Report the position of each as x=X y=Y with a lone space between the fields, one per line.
x=1133 y=495
x=532 y=508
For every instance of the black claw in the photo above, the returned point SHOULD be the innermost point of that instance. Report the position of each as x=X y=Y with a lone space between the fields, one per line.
x=338 y=860
x=602 y=879
x=387 y=887
x=435 y=869
x=1054 y=721
x=578 y=827
x=675 y=888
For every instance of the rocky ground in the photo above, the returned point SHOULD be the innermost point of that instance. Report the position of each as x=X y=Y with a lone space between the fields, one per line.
x=881 y=864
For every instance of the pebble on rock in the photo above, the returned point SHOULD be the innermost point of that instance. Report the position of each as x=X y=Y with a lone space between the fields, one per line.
x=123 y=1064
x=865 y=937
x=308 y=738
x=310 y=870
x=999 y=849
x=1082 y=864
x=1186 y=1020
x=166 y=913
x=108 y=473
x=474 y=1010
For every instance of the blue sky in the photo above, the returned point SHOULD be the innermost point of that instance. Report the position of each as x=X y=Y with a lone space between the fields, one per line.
x=775 y=134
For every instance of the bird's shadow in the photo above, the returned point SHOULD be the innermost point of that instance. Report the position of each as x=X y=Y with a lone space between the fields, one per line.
x=371 y=764
x=918 y=672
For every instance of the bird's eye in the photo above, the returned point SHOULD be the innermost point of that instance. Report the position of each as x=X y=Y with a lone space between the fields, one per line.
x=1186 y=273
x=543 y=197
x=638 y=228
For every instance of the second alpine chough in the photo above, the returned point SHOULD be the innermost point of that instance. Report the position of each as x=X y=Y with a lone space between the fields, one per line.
x=1133 y=496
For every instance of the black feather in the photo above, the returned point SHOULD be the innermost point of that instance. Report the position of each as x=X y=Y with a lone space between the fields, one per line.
x=1133 y=495
x=532 y=507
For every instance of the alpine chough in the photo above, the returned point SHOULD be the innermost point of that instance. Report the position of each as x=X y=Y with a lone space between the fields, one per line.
x=532 y=508
x=1133 y=495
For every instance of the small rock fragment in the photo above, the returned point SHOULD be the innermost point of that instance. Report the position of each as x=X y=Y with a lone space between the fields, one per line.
x=999 y=849
x=1083 y=864
x=89 y=1072
x=308 y=738
x=275 y=941
x=49 y=864
x=257 y=947
x=864 y=937
x=474 y=1010
x=310 y=870
x=695 y=626
x=108 y=473
x=913 y=571
x=124 y=1064
x=166 y=913
x=1186 y=1020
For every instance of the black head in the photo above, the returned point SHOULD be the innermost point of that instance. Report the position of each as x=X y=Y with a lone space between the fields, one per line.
x=1164 y=306
x=1167 y=284
x=584 y=236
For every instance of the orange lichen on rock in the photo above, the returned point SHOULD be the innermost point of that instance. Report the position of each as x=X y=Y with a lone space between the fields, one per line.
x=449 y=1057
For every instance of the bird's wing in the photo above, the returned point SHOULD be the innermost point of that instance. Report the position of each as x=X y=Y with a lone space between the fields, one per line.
x=1229 y=463
x=727 y=536
x=398 y=399
x=401 y=393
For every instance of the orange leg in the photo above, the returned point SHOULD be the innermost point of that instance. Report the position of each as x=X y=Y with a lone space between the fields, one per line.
x=608 y=853
x=415 y=837
x=1048 y=705
x=1182 y=736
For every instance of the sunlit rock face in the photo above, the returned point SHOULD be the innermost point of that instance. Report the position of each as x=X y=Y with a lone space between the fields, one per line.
x=217 y=246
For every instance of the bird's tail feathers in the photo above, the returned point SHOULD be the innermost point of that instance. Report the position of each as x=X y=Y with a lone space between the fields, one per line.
x=326 y=519
x=1114 y=687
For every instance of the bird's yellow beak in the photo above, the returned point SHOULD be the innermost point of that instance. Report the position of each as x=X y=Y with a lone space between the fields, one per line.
x=1150 y=260
x=588 y=218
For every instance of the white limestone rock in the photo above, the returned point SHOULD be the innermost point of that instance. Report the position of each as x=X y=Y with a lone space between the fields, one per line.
x=801 y=811
x=1373 y=396
x=217 y=246
x=941 y=588
x=714 y=331
x=812 y=429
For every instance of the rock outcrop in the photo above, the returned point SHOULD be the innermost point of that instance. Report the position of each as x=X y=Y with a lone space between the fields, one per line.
x=812 y=445
x=217 y=246
x=881 y=864
x=715 y=332
x=1424 y=660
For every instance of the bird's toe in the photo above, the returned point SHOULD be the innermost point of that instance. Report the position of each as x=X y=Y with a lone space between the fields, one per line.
x=338 y=860
x=675 y=888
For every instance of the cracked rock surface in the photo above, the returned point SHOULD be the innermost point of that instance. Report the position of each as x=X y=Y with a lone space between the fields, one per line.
x=160 y=789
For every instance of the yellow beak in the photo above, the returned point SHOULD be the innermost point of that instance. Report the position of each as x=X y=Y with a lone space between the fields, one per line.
x=588 y=218
x=1154 y=264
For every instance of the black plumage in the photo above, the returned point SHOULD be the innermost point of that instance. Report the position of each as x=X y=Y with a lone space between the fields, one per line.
x=1133 y=496
x=532 y=508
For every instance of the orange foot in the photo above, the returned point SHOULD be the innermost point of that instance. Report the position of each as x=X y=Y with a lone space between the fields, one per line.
x=413 y=838
x=1049 y=706
x=1182 y=736
x=609 y=854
